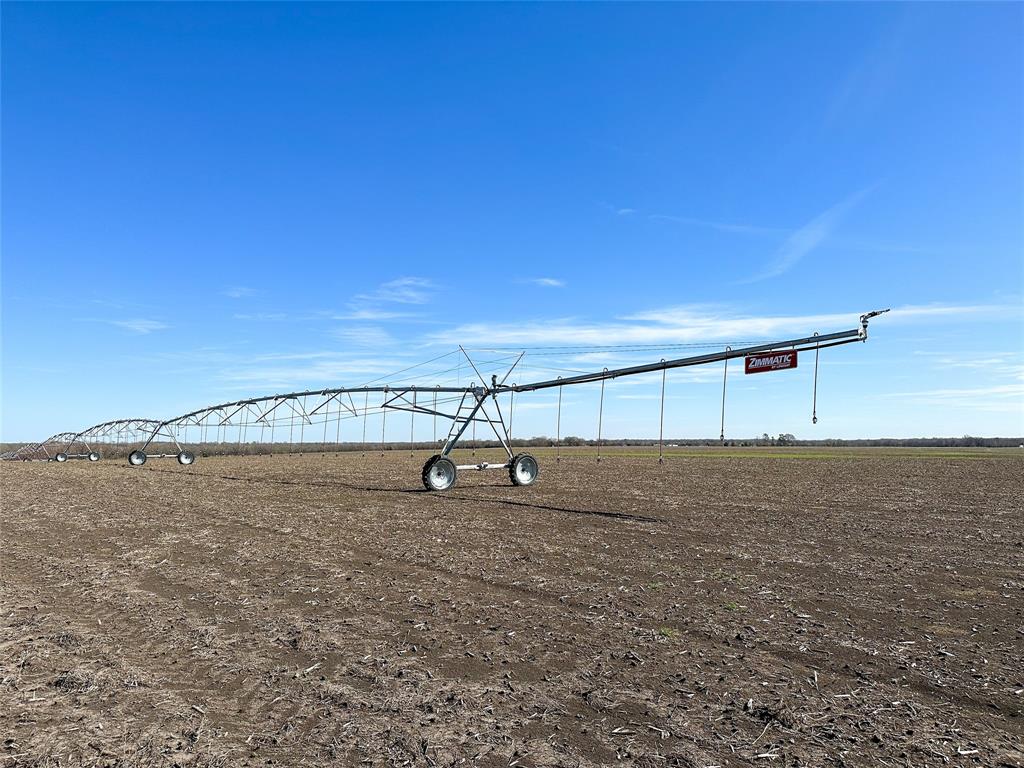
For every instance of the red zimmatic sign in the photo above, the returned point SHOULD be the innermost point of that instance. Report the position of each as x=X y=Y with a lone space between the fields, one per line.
x=770 y=361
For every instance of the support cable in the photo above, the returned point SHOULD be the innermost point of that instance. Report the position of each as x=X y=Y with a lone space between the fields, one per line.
x=435 y=375
x=410 y=368
x=273 y=427
x=661 y=419
x=511 y=414
x=725 y=375
x=383 y=422
x=243 y=431
x=366 y=413
x=327 y=413
x=814 y=397
x=337 y=432
x=600 y=419
x=558 y=428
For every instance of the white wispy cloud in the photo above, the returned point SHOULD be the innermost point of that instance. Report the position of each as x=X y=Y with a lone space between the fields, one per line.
x=1003 y=398
x=366 y=313
x=721 y=226
x=688 y=324
x=118 y=304
x=976 y=363
x=1005 y=365
x=958 y=393
x=239 y=292
x=709 y=321
x=139 y=325
x=807 y=238
x=617 y=210
x=328 y=370
x=594 y=358
x=548 y=282
x=362 y=314
x=869 y=80
x=757 y=230
x=262 y=316
x=649 y=397
x=402 y=290
x=365 y=336
x=526 y=405
x=389 y=301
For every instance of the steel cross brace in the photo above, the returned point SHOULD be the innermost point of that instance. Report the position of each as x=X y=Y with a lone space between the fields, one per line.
x=480 y=395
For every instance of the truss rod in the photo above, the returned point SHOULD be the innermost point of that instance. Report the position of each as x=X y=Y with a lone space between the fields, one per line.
x=809 y=342
x=323 y=392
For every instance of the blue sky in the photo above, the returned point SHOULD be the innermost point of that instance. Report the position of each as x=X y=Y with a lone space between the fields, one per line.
x=205 y=202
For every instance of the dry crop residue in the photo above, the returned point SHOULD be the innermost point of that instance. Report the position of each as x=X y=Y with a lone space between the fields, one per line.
x=322 y=610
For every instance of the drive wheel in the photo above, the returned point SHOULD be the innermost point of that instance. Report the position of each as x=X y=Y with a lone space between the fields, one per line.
x=186 y=457
x=439 y=473
x=93 y=456
x=61 y=457
x=523 y=469
x=136 y=458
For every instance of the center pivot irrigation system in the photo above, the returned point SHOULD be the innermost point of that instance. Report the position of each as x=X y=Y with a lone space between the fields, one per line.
x=277 y=416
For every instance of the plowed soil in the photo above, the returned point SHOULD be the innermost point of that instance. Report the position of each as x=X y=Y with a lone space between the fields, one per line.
x=803 y=608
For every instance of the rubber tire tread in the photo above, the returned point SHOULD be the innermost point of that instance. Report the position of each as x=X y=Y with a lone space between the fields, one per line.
x=512 y=467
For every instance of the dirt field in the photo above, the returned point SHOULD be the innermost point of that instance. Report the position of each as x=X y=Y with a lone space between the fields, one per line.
x=727 y=608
